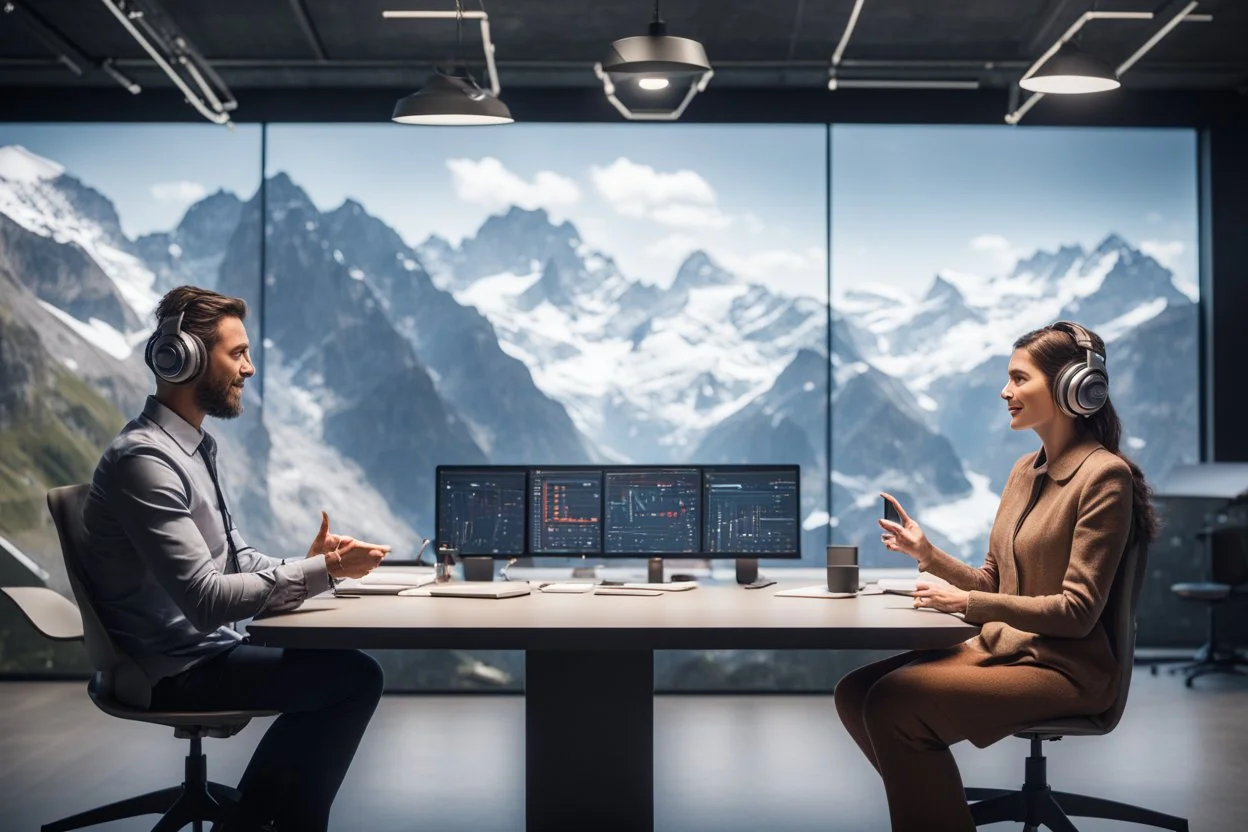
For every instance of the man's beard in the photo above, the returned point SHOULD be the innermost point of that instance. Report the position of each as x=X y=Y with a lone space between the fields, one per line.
x=215 y=398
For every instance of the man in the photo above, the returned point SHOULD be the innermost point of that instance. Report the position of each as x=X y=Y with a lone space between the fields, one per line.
x=169 y=574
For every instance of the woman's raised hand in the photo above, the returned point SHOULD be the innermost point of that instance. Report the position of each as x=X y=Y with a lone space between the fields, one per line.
x=906 y=536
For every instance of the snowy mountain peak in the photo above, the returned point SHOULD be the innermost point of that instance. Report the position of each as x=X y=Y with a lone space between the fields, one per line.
x=1049 y=265
x=700 y=270
x=17 y=164
x=1113 y=242
x=944 y=291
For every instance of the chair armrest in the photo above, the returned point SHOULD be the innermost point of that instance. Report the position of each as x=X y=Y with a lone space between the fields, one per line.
x=52 y=614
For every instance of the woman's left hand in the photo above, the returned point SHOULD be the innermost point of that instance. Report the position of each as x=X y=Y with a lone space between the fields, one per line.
x=940 y=597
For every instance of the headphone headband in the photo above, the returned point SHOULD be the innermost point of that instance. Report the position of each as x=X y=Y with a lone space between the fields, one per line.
x=1081 y=336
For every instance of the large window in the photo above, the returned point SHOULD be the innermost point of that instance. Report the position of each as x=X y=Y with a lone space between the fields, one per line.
x=604 y=294
x=950 y=242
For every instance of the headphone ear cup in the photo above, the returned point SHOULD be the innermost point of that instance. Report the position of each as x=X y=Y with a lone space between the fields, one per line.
x=1062 y=389
x=196 y=355
x=1081 y=390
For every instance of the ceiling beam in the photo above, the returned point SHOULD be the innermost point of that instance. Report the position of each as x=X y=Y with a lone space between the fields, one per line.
x=300 y=10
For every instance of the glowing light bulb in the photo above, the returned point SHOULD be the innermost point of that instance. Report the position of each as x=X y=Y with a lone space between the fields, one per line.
x=653 y=83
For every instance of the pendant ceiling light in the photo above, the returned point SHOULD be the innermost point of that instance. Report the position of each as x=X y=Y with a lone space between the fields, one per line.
x=654 y=63
x=451 y=98
x=1071 y=72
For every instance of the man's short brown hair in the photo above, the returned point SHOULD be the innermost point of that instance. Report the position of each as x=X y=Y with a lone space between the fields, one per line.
x=202 y=310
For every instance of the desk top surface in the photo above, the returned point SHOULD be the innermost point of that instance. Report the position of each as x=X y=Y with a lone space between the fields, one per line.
x=709 y=617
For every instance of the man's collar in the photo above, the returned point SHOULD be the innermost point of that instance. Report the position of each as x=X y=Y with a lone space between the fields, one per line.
x=1068 y=461
x=181 y=431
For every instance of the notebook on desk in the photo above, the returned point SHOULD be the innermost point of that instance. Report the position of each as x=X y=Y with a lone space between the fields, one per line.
x=471 y=589
x=384 y=583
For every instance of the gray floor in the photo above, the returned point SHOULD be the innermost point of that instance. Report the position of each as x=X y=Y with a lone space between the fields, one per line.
x=725 y=763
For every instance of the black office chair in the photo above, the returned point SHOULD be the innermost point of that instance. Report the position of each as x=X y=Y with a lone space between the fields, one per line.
x=120 y=689
x=1228 y=567
x=1036 y=804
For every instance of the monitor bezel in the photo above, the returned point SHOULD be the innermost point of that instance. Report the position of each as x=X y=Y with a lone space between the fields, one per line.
x=749 y=469
x=528 y=513
x=522 y=470
x=698 y=472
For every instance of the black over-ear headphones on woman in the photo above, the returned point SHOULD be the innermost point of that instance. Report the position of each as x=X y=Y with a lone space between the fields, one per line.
x=175 y=356
x=1082 y=387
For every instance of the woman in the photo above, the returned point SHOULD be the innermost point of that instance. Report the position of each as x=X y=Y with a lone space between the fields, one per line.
x=1066 y=515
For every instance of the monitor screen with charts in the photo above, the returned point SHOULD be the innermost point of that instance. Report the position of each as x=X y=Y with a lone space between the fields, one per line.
x=565 y=511
x=752 y=511
x=480 y=511
x=652 y=511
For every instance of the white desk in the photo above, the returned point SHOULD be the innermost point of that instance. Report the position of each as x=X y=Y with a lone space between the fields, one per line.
x=589 y=668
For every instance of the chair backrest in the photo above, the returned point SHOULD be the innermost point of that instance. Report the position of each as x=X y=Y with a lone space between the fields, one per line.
x=120 y=677
x=1228 y=556
x=1118 y=618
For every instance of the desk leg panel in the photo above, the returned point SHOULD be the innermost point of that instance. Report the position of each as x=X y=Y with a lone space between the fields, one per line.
x=589 y=740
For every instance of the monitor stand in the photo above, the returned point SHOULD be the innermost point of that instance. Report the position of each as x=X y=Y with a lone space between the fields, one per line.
x=478 y=569
x=654 y=571
x=747 y=570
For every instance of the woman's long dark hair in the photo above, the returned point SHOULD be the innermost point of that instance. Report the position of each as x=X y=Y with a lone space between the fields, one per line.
x=1052 y=349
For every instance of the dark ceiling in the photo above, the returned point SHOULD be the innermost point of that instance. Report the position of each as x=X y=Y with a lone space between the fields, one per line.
x=302 y=44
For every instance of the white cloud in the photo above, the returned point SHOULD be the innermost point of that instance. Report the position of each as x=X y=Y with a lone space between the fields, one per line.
x=691 y=216
x=681 y=199
x=1165 y=253
x=180 y=192
x=990 y=242
x=488 y=183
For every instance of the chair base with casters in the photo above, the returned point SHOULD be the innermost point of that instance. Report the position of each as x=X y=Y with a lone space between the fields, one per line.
x=198 y=799
x=1036 y=804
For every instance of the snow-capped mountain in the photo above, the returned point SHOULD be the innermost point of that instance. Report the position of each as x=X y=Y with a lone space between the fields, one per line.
x=192 y=252
x=643 y=371
x=41 y=197
x=524 y=345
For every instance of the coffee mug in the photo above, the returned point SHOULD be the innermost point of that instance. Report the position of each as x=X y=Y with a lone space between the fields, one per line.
x=842 y=556
x=843 y=578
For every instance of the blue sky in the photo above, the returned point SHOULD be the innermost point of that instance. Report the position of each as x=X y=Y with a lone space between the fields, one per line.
x=907 y=201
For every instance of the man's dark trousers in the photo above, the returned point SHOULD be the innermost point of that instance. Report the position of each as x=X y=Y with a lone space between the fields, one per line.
x=325 y=697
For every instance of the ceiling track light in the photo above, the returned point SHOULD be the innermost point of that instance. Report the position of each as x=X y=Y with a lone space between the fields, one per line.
x=1064 y=69
x=653 y=61
x=449 y=99
x=161 y=39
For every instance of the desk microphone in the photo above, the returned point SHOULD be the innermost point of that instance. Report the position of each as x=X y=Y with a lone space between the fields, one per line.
x=421 y=553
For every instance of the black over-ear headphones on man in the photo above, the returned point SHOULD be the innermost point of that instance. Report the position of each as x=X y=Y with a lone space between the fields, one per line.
x=175 y=356
x=1082 y=387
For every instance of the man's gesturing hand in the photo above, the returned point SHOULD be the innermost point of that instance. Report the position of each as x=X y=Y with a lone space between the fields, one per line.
x=346 y=557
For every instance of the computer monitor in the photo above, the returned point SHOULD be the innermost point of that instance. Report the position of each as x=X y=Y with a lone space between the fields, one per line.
x=480 y=511
x=751 y=511
x=651 y=512
x=565 y=511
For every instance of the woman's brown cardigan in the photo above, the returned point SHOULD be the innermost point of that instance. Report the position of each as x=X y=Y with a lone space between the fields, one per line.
x=1054 y=549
